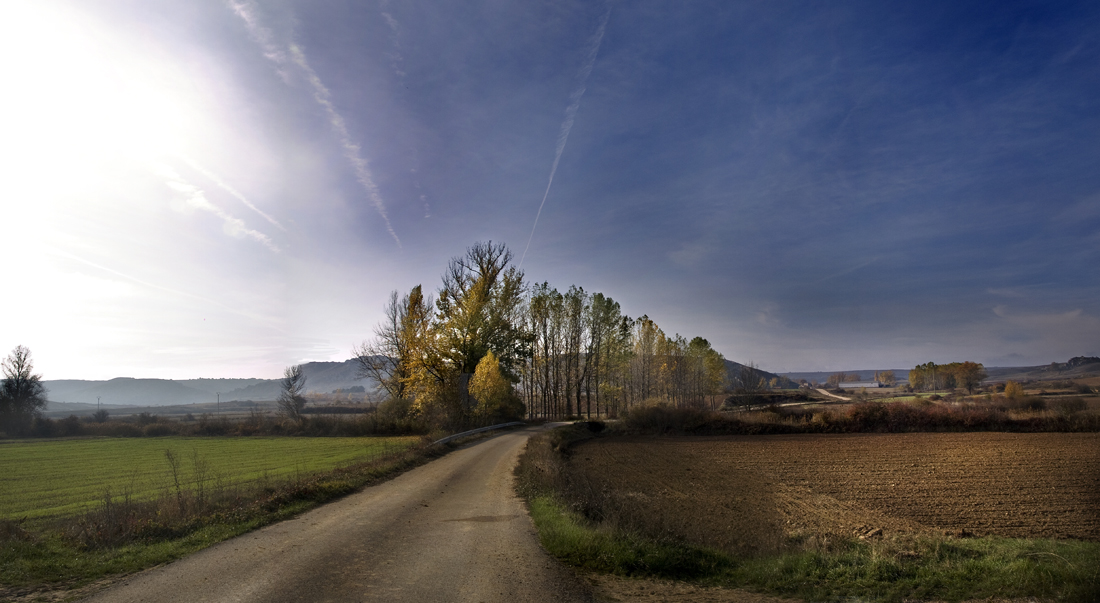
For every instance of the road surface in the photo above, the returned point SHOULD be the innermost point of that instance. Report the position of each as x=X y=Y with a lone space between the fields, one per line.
x=834 y=396
x=451 y=530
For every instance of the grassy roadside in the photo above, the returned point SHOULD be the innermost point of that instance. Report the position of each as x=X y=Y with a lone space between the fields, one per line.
x=119 y=538
x=895 y=569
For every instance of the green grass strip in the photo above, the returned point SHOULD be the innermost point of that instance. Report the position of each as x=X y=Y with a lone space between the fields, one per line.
x=46 y=478
x=47 y=559
x=929 y=568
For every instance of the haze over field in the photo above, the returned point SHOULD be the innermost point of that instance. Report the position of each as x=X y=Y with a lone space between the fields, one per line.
x=223 y=189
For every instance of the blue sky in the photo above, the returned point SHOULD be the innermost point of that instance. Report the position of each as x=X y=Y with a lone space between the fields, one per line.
x=221 y=189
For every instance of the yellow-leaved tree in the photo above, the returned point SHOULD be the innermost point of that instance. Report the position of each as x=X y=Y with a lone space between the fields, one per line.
x=495 y=399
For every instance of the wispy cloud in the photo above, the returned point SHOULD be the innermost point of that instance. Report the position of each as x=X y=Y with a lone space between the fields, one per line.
x=66 y=255
x=768 y=315
x=570 y=116
x=690 y=254
x=286 y=54
x=195 y=198
x=229 y=189
x=395 y=29
x=351 y=150
x=847 y=271
x=263 y=36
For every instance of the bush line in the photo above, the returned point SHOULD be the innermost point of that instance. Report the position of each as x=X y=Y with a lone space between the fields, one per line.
x=873 y=417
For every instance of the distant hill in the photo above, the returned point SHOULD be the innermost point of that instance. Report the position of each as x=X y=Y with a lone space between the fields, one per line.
x=864 y=375
x=733 y=368
x=1079 y=366
x=321 y=377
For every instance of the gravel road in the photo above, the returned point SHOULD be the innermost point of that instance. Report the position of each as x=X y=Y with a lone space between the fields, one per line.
x=451 y=530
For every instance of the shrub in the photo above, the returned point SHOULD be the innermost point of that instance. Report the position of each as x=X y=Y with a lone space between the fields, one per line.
x=146 y=418
x=44 y=427
x=1028 y=403
x=1069 y=406
x=158 y=429
x=124 y=430
x=661 y=418
x=70 y=426
x=868 y=416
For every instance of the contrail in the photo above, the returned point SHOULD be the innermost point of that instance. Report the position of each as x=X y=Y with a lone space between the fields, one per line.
x=229 y=189
x=231 y=225
x=280 y=54
x=351 y=150
x=570 y=116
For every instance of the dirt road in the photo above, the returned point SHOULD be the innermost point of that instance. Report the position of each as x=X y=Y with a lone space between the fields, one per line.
x=451 y=530
x=821 y=391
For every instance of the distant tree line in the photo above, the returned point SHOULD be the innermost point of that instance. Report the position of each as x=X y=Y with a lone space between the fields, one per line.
x=491 y=348
x=931 y=376
x=886 y=378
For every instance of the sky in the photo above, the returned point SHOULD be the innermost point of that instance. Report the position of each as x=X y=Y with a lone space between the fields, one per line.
x=222 y=189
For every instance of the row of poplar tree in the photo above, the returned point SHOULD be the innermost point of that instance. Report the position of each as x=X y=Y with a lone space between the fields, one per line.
x=490 y=347
x=932 y=376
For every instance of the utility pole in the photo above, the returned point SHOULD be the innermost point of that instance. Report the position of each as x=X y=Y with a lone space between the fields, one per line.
x=97 y=406
x=219 y=403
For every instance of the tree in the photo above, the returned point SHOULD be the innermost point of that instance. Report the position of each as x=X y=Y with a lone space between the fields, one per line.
x=493 y=392
x=291 y=401
x=1013 y=390
x=749 y=380
x=886 y=378
x=480 y=309
x=22 y=394
x=399 y=341
x=970 y=375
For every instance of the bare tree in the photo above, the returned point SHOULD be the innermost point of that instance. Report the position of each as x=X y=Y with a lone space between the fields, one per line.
x=400 y=339
x=291 y=401
x=749 y=380
x=22 y=394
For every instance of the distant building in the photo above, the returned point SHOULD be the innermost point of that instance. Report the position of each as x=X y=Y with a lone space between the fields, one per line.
x=859 y=384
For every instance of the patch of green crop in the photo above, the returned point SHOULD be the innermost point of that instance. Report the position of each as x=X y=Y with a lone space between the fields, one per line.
x=57 y=556
x=47 y=478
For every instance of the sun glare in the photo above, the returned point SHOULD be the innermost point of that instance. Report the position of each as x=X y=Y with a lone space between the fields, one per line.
x=78 y=102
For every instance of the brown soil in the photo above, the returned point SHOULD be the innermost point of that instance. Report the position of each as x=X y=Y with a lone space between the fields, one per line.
x=752 y=493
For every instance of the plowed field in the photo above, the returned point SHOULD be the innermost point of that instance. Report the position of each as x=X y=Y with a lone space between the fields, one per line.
x=751 y=493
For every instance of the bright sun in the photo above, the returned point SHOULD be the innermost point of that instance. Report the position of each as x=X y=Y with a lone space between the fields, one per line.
x=76 y=100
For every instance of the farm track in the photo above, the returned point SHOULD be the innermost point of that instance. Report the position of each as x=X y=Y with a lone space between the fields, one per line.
x=450 y=530
x=748 y=493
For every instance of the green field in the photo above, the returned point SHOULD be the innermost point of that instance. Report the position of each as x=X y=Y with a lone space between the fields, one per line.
x=43 y=478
